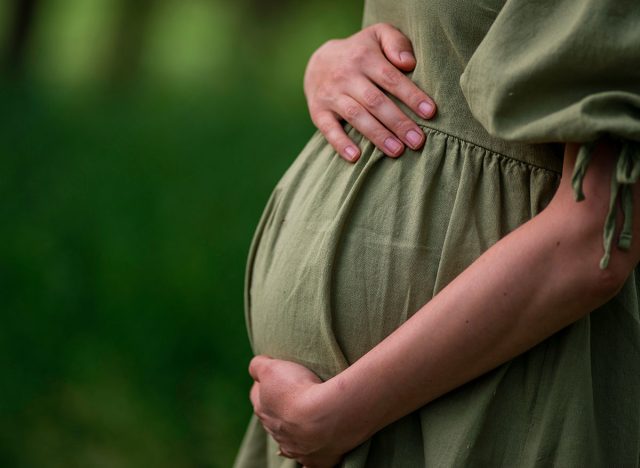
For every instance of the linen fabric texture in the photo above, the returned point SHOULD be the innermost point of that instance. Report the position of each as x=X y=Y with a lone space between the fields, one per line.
x=345 y=253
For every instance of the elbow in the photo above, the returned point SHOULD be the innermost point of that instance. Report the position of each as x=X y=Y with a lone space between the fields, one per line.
x=585 y=252
x=590 y=283
x=607 y=283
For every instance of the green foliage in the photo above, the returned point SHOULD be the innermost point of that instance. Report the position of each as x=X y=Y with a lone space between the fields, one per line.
x=128 y=210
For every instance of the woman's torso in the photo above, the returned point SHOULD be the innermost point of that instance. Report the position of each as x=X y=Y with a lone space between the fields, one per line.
x=345 y=253
x=342 y=246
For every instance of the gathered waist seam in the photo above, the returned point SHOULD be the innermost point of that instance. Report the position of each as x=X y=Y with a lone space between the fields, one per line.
x=522 y=160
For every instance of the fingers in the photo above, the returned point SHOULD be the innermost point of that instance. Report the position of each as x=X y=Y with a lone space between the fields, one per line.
x=389 y=115
x=257 y=366
x=363 y=121
x=393 y=81
x=329 y=125
x=377 y=118
x=284 y=453
x=347 y=79
x=254 y=395
x=395 y=45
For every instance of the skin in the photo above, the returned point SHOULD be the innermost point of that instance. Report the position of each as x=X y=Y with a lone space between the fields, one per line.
x=344 y=80
x=532 y=283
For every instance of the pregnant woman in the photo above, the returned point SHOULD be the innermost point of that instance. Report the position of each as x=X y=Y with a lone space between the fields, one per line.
x=474 y=302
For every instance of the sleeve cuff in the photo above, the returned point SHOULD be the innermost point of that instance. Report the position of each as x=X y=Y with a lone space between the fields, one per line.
x=625 y=174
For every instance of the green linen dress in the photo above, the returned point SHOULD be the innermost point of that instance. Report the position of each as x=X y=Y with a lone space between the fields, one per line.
x=344 y=253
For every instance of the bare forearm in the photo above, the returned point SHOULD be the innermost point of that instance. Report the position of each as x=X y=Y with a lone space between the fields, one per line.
x=502 y=305
x=525 y=288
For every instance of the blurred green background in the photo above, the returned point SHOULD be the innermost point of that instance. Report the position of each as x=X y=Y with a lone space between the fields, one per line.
x=139 y=141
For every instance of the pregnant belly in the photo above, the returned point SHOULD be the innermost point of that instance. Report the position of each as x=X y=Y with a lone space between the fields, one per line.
x=344 y=253
x=342 y=256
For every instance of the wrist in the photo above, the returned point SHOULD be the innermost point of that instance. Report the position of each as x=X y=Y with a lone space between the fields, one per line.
x=347 y=408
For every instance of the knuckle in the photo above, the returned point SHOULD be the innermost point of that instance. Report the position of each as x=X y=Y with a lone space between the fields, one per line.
x=277 y=427
x=404 y=122
x=403 y=126
x=415 y=98
x=266 y=370
x=358 y=53
x=319 y=120
x=323 y=122
x=333 y=137
x=390 y=76
x=382 y=27
x=351 y=111
x=379 y=136
x=325 y=92
x=371 y=27
x=337 y=74
x=331 y=134
x=336 y=142
x=324 y=127
x=373 y=98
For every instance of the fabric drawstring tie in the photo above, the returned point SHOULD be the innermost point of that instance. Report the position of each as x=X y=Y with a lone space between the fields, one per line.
x=626 y=173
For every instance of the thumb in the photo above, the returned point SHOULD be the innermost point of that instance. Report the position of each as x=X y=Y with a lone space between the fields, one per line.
x=396 y=46
x=257 y=367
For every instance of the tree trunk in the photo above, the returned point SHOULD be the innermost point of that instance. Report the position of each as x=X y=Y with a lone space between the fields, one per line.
x=21 y=29
x=131 y=33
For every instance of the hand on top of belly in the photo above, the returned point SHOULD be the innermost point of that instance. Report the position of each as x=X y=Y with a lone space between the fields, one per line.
x=290 y=402
x=345 y=79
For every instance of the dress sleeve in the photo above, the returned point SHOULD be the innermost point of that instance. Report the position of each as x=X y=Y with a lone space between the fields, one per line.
x=565 y=71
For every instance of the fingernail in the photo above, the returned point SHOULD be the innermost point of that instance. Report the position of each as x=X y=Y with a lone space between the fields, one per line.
x=414 y=138
x=426 y=109
x=351 y=152
x=393 y=145
x=406 y=57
